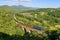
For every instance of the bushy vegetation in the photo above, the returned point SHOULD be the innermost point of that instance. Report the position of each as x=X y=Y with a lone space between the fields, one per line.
x=47 y=18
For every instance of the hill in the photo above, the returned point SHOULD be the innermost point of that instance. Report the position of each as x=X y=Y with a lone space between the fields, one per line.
x=47 y=18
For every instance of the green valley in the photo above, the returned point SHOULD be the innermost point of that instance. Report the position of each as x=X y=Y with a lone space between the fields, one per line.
x=46 y=18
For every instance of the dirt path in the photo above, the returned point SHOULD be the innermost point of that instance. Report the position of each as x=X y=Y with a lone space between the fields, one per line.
x=26 y=26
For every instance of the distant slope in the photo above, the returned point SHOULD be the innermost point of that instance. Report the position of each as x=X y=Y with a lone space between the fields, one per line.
x=23 y=7
x=18 y=6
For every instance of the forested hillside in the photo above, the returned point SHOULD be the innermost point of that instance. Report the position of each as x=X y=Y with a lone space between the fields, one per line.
x=46 y=18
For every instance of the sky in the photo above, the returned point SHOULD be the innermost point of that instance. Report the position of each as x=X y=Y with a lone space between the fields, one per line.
x=33 y=3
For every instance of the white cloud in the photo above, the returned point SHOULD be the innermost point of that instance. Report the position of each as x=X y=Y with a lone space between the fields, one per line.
x=14 y=2
x=17 y=0
x=24 y=0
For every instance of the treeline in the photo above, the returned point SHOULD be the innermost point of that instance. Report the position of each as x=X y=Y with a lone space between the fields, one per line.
x=48 y=35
